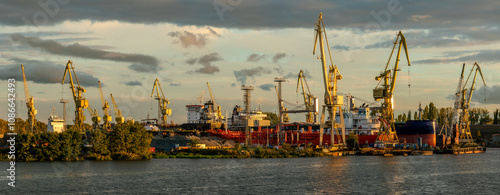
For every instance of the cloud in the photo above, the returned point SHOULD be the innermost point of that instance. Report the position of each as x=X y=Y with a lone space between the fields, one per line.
x=486 y=94
x=206 y=62
x=244 y=74
x=266 y=87
x=342 y=47
x=213 y=32
x=416 y=18
x=175 y=84
x=278 y=56
x=188 y=39
x=257 y=15
x=133 y=83
x=44 y=72
x=255 y=57
x=141 y=63
x=480 y=56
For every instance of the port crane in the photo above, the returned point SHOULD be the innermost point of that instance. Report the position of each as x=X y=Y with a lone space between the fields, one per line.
x=77 y=91
x=309 y=100
x=30 y=104
x=162 y=102
x=284 y=110
x=331 y=75
x=95 y=117
x=216 y=113
x=106 y=118
x=387 y=132
x=118 y=114
x=465 y=96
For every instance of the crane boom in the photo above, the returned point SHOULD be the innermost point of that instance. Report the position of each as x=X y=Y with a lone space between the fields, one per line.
x=216 y=110
x=118 y=114
x=77 y=91
x=162 y=102
x=95 y=117
x=387 y=131
x=30 y=104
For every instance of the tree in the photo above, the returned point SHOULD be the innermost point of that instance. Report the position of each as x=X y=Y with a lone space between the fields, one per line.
x=484 y=115
x=415 y=116
x=496 y=116
x=425 y=114
x=432 y=114
x=403 y=119
x=272 y=117
x=100 y=143
x=409 y=115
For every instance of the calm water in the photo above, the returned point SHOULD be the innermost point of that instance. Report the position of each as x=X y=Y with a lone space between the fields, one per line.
x=437 y=174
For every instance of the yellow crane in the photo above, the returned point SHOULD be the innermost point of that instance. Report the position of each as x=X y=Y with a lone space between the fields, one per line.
x=216 y=111
x=284 y=110
x=95 y=117
x=162 y=102
x=30 y=104
x=387 y=131
x=77 y=92
x=465 y=98
x=106 y=118
x=118 y=114
x=309 y=100
x=331 y=75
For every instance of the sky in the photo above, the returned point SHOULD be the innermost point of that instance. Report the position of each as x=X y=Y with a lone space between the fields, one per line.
x=127 y=44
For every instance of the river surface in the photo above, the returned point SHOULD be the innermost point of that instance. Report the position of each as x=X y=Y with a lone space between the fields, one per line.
x=436 y=174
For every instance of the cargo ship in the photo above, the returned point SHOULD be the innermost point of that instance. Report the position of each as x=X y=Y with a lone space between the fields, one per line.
x=420 y=132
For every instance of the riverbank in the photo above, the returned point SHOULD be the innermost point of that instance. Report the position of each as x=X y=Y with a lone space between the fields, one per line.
x=241 y=153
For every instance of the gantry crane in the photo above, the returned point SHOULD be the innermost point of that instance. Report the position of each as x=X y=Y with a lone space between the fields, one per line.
x=309 y=100
x=464 y=104
x=30 y=104
x=331 y=74
x=95 y=117
x=106 y=118
x=77 y=92
x=118 y=114
x=387 y=132
x=216 y=111
x=162 y=102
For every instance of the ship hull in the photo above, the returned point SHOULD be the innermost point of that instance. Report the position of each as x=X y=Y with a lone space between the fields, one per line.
x=415 y=130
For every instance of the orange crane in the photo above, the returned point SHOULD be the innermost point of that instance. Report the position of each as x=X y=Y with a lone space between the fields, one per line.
x=106 y=118
x=162 y=102
x=77 y=92
x=30 y=104
x=309 y=100
x=387 y=131
x=118 y=114
x=331 y=75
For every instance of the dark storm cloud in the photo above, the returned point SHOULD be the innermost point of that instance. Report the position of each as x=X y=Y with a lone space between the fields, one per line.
x=206 y=62
x=486 y=94
x=481 y=56
x=141 y=63
x=133 y=83
x=278 y=56
x=244 y=74
x=263 y=14
x=188 y=39
x=44 y=72
x=255 y=57
x=266 y=87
